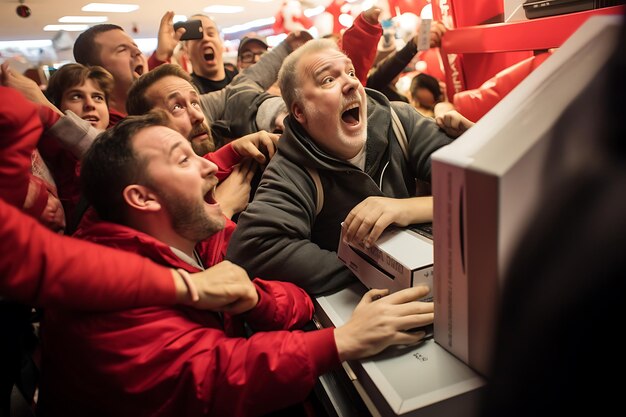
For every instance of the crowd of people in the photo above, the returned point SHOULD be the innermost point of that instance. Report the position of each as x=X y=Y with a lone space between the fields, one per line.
x=172 y=224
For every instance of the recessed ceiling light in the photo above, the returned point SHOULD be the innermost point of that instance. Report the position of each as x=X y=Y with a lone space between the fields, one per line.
x=220 y=9
x=83 y=19
x=39 y=43
x=109 y=7
x=249 y=25
x=69 y=28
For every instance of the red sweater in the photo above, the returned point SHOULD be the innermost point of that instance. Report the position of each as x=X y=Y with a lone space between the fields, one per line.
x=359 y=42
x=177 y=361
x=45 y=269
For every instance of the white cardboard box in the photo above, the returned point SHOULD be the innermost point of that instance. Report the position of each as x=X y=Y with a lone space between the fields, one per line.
x=417 y=381
x=400 y=258
x=486 y=185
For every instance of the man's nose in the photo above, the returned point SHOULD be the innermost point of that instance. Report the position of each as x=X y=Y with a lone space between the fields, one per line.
x=208 y=167
x=195 y=115
x=351 y=84
x=89 y=103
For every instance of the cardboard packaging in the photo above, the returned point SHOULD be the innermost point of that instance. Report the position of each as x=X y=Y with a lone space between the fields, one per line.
x=486 y=185
x=400 y=258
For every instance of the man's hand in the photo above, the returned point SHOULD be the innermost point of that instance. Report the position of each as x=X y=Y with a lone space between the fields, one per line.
x=233 y=193
x=381 y=320
x=253 y=144
x=297 y=38
x=372 y=15
x=224 y=287
x=452 y=122
x=168 y=38
x=437 y=30
x=25 y=85
x=368 y=219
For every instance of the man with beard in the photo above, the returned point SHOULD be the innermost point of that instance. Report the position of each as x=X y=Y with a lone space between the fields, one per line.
x=155 y=198
x=242 y=108
x=344 y=133
x=168 y=89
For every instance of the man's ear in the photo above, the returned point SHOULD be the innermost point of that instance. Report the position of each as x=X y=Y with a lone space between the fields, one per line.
x=298 y=113
x=141 y=197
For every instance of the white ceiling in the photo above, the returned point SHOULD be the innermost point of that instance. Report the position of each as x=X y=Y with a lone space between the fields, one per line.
x=145 y=19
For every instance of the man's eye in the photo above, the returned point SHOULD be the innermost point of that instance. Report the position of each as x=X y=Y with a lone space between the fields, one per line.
x=176 y=107
x=352 y=73
x=184 y=160
x=195 y=104
x=328 y=80
x=99 y=98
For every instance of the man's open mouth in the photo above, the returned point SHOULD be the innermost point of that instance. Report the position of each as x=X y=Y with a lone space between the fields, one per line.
x=209 y=197
x=352 y=115
x=209 y=54
x=139 y=70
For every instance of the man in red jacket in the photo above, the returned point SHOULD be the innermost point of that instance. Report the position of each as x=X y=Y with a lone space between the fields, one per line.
x=44 y=269
x=155 y=197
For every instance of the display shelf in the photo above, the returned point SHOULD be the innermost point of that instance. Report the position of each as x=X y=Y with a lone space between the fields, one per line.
x=526 y=35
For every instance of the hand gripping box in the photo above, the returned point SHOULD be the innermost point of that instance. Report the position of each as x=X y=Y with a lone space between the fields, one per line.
x=486 y=186
x=400 y=258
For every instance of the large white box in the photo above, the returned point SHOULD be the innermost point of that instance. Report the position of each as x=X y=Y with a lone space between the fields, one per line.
x=416 y=381
x=400 y=258
x=486 y=185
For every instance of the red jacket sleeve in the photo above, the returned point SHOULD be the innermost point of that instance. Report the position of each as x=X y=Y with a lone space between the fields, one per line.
x=282 y=306
x=20 y=129
x=46 y=269
x=269 y=371
x=154 y=62
x=359 y=42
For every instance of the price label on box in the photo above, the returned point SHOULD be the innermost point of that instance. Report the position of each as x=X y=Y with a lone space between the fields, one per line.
x=423 y=35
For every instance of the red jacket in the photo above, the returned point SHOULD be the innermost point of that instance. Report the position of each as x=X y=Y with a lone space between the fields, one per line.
x=45 y=269
x=359 y=42
x=178 y=361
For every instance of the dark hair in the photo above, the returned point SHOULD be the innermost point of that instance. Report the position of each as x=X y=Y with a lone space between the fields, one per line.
x=137 y=102
x=428 y=82
x=86 y=50
x=71 y=75
x=110 y=165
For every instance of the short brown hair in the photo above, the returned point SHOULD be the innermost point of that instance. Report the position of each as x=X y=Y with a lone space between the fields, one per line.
x=137 y=102
x=86 y=50
x=111 y=164
x=71 y=75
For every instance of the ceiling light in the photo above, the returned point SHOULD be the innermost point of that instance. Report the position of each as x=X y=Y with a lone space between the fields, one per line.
x=219 y=9
x=179 y=18
x=249 y=25
x=69 y=28
x=83 y=19
x=39 y=43
x=109 y=7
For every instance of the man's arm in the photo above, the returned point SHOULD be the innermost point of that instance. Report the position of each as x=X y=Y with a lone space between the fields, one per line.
x=360 y=41
x=282 y=306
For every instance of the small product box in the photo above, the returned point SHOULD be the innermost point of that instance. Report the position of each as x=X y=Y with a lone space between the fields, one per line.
x=400 y=258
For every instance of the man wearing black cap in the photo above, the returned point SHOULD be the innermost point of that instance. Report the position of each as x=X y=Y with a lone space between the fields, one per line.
x=251 y=48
